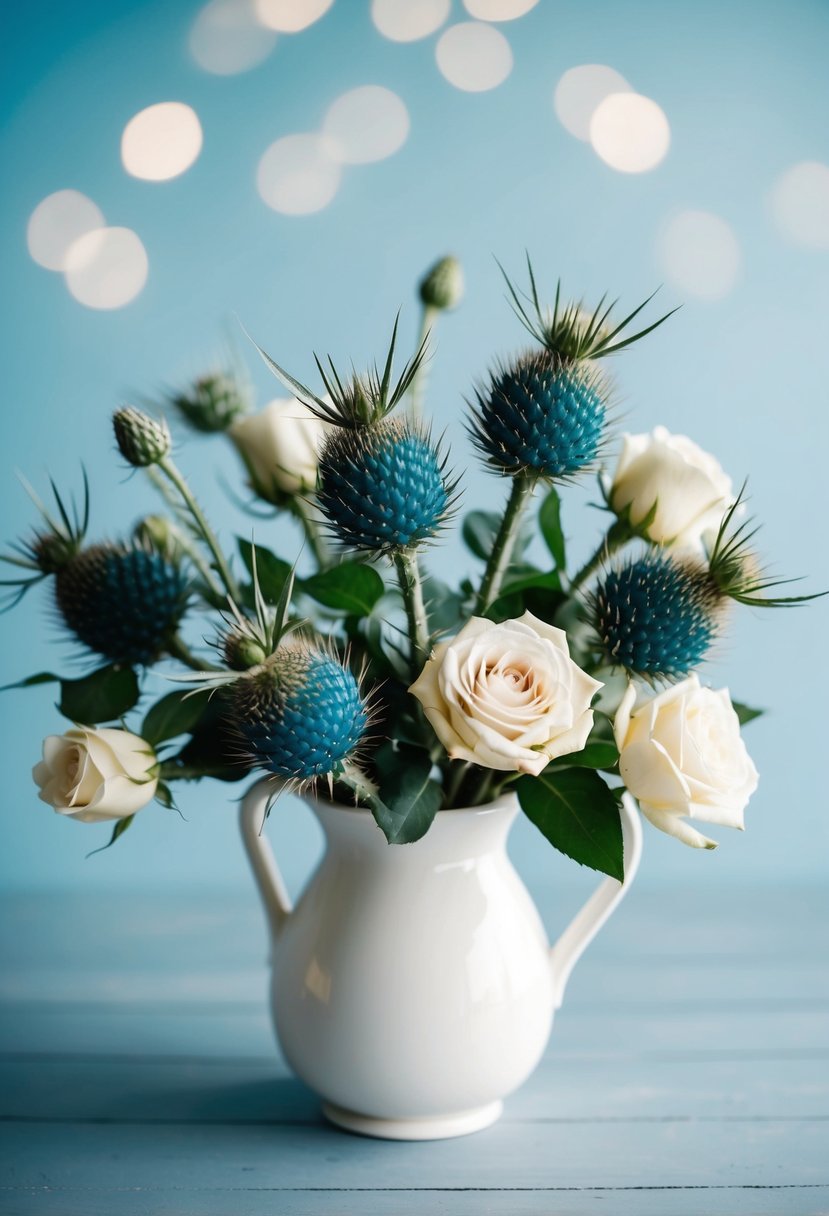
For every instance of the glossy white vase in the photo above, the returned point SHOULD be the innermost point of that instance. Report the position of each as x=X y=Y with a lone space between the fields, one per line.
x=413 y=985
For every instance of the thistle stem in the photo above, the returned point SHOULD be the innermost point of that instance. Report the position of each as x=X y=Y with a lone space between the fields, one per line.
x=313 y=534
x=205 y=531
x=617 y=535
x=177 y=648
x=411 y=587
x=427 y=322
x=499 y=559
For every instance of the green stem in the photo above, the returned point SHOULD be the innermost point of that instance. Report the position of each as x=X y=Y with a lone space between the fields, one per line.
x=618 y=534
x=455 y=778
x=411 y=587
x=178 y=649
x=313 y=533
x=205 y=531
x=427 y=323
x=499 y=559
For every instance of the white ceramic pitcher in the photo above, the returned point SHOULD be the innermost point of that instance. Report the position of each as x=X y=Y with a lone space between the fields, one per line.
x=413 y=985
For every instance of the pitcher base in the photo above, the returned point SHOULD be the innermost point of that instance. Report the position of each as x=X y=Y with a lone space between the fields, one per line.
x=438 y=1127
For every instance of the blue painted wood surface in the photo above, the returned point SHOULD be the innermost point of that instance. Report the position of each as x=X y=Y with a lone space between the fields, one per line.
x=688 y=1072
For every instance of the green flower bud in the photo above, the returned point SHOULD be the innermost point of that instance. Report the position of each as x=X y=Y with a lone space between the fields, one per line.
x=141 y=439
x=242 y=652
x=160 y=534
x=212 y=402
x=442 y=286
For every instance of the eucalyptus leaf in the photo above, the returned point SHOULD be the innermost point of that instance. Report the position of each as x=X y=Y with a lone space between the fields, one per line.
x=349 y=587
x=578 y=814
x=409 y=798
x=176 y=714
x=103 y=696
x=549 y=521
x=745 y=713
x=271 y=571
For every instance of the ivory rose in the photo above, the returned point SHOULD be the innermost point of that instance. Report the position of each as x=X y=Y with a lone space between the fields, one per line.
x=92 y=775
x=507 y=696
x=682 y=755
x=686 y=486
x=280 y=446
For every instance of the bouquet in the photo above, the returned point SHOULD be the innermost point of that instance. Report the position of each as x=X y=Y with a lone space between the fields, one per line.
x=368 y=680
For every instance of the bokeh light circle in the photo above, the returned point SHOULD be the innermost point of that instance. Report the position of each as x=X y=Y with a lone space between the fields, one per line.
x=299 y=174
x=630 y=132
x=227 y=37
x=473 y=56
x=700 y=254
x=366 y=124
x=56 y=222
x=498 y=10
x=291 y=16
x=579 y=93
x=408 y=20
x=161 y=142
x=106 y=268
x=800 y=204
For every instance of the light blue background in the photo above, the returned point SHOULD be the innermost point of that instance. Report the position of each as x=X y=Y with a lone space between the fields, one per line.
x=745 y=90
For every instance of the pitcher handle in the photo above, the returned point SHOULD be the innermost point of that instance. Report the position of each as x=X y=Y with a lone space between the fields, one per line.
x=271 y=886
x=586 y=924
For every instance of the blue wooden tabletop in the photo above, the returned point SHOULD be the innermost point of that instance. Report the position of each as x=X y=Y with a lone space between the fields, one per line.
x=688 y=1071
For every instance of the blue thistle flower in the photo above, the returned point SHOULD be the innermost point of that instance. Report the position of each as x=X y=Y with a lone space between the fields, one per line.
x=657 y=616
x=122 y=601
x=541 y=415
x=384 y=487
x=300 y=713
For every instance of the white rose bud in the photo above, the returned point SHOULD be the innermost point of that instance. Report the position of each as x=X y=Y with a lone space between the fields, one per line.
x=92 y=775
x=507 y=696
x=686 y=486
x=280 y=447
x=681 y=754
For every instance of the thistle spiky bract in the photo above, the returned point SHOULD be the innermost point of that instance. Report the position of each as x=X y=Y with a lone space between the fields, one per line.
x=124 y=602
x=300 y=713
x=569 y=331
x=656 y=615
x=384 y=488
x=541 y=416
x=55 y=543
x=355 y=401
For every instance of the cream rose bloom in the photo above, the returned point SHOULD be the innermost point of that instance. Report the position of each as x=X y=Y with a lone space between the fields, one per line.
x=687 y=486
x=280 y=446
x=681 y=754
x=93 y=775
x=507 y=696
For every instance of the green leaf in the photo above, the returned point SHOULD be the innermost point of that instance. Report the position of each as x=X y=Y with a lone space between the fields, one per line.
x=271 y=571
x=596 y=754
x=531 y=579
x=213 y=748
x=480 y=529
x=549 y=520
x=745 y=713
x=176 y=714
x=42 y=677
x=121 y=826
x=578 y=814
x=444 y=605
x=349 y=587
x=409 y=798
x=103 y=696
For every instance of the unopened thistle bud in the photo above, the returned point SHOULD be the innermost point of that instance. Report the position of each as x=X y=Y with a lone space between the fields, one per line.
x=212 y=402
x=241 y=652
x=442 y=286
x=141 y=439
